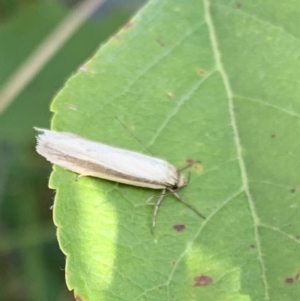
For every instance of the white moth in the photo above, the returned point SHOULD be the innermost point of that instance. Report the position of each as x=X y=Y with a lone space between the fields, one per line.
x=89 y=158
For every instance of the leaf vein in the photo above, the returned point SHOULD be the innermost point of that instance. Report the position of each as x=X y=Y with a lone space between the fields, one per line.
x=291 y=237
x=261 y=102
x=191 y=243
x=238 y=145
x=258 y=19
x=176 y=109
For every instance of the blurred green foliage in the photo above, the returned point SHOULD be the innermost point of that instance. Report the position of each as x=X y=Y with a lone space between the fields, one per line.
x=31 y=264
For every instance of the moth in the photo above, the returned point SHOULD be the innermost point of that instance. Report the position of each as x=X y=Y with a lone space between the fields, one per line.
x=90 y=158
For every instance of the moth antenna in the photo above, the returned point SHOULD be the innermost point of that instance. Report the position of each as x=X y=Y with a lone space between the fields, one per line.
x=137 y=139
x=189 y=165
x=188 y=204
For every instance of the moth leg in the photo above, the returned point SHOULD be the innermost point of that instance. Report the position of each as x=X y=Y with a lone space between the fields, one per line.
x=188 y=204
x=78 y=176
x=157 y=204
x=148 y=202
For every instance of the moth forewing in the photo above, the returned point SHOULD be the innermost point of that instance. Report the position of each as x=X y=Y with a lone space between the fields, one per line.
x=95 y=159
x=90 y=158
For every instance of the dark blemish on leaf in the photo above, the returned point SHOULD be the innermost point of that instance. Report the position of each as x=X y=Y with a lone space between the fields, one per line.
x=160 y=287
x=201 y=71
x=273 y=136
x=202 y=280
x=128 y=25
x=198 y=166
x=293 y=190
x=289 y=280
x=252 y=246
x=189 y=161
x=179 y=227
x=238 y=5
x=297 y=236
x=194 y=164
x=160 y=42
x=297 y=276
x=192 y=161
x=173 y=262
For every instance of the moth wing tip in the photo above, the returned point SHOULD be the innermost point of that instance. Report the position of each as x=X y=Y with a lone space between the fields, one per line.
x=40 y=130
x=39 y=137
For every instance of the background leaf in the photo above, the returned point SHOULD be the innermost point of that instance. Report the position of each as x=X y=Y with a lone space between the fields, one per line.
x=31 y=263
x=210 y=81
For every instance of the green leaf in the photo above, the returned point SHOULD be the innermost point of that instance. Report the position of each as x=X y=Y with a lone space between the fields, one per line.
x=210 y=81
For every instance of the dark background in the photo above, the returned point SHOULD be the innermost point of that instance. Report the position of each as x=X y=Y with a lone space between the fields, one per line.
x=31 y=264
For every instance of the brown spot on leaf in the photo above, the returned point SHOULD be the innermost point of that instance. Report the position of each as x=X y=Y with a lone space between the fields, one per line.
x=173 y=262
x=190 y=161
x=194 y=164
x=128 y=25
x=252 y=246
x=238 y=5
x=179 y=227
x=77 y=298
x=297 y=236
x=201 y=71
x=160 y=42
x=289 y=280
x=202 y=280
x=198 y=166
x=297 y=276
x=293 y=190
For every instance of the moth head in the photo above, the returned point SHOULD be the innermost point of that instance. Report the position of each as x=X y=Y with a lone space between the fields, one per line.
x=182 y=181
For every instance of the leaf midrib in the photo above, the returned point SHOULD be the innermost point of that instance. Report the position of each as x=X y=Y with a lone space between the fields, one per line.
x=238 y=146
